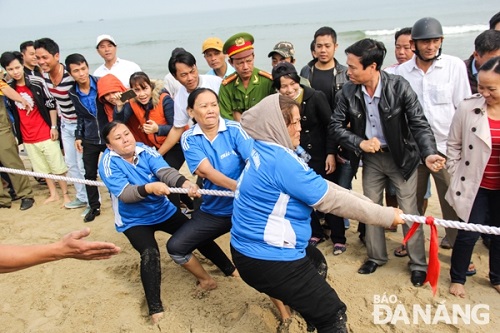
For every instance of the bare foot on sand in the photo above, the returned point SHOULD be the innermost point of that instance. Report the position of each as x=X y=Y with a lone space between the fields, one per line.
x=208 y=284
x=52 y=198
x=66 y=198
x=156 y=317
x=497 y=287
x=458 y=289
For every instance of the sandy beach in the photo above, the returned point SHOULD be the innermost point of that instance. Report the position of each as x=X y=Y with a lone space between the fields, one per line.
x=107 y=296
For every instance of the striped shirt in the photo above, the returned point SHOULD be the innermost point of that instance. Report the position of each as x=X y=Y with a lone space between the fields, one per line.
x=60 y=92
x=491 y=175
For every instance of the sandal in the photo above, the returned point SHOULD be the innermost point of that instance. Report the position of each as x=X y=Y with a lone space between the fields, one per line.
x=338 y=248
x=314 y=241
x=400 y=251
x=471 y=270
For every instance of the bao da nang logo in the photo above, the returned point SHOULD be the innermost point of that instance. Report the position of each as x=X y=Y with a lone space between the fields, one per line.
x=387 y=309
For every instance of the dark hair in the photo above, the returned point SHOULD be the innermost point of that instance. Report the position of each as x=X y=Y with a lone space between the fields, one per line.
x=48 y=44
x=284 y=69
x=494 y=20
x=326 y=31
x=25 y=45
x=8 y=57
x=181 y=56
x=404 y=31
x=141 y=79
x=487 y=41
x=108 y=128
x=369 y=51
x=286 y=106
x=312 y=46
x=197 y=92
x=75 y=59
x=491 y=65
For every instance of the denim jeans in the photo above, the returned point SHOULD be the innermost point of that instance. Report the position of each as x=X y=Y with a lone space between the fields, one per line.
x=73 y=158
x=201 y=229
x=484 y=211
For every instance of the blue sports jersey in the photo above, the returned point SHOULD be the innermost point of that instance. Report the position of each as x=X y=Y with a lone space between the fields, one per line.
x=272 y=206
x=117 y=173
x=227 y=153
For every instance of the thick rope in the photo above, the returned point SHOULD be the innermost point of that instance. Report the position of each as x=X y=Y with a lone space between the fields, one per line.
x=410 y=218
x=97 y=183
x=485 y=229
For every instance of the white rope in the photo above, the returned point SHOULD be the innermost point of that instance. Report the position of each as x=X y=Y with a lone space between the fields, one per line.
x=97 y=183
x=485 y=229
x=410 y=218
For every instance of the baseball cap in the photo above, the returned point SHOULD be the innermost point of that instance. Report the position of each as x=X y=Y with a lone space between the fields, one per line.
x=212 y=43
x=283 y=48
x=100 y=38
x=283 y=69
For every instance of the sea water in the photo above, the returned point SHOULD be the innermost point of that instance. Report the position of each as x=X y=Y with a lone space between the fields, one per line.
x=149 y=41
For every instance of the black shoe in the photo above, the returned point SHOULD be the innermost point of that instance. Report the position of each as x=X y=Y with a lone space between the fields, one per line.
x=368 y=267
x=27 y=203
x=418 y=278
x=92 y=214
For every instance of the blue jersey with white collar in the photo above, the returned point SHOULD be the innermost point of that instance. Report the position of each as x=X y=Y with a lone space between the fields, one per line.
x=117 y=173
x=227 y=153
x=272 y=206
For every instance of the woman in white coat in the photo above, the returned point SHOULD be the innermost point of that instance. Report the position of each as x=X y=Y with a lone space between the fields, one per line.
x=474 y=166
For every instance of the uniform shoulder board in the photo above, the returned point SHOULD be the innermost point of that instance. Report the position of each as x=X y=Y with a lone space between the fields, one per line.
x=229 y=79
x=475 y=96
x=266 y=74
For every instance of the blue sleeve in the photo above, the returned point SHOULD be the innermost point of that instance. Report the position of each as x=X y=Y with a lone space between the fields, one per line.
x=154 y=160
x=112 y=175
x=193 y=153
x=124 y=115
x=168 y=112
x=243 y=142
x=296 y=179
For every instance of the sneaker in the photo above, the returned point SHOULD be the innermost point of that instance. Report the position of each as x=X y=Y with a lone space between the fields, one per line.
x=75 y=204
x=86 y=211
x=314 y=241
x=93 y=212
x=338 y=248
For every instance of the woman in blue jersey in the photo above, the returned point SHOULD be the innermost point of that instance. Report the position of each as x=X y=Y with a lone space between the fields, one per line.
x=139 y=177
x=216 y=150
x=271 y=217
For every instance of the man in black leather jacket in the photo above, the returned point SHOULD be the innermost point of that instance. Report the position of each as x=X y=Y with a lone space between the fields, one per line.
x=389 y=131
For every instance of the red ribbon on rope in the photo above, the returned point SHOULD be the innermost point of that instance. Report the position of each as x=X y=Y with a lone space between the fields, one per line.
x=434 y=266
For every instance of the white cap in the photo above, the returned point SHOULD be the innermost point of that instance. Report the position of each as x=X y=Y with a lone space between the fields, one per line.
x=100 y=38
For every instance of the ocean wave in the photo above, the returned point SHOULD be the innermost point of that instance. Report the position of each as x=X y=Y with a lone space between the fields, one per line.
x=451 y=30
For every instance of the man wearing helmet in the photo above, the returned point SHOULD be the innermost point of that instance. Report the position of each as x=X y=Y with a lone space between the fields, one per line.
x=441 y=83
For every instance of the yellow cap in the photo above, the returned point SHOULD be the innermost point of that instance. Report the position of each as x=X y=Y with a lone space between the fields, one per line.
x=212 y=43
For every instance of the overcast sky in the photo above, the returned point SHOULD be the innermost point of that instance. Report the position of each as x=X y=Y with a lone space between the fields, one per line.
x=37 y=12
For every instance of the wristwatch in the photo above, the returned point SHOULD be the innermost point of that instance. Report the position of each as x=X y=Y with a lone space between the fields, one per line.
x=53 y=127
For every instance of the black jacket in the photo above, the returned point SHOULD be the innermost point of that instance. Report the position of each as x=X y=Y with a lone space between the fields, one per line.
x=339 y=73
x=406 y=130
x=42 y=99
x=315 y=114
x=88 y=126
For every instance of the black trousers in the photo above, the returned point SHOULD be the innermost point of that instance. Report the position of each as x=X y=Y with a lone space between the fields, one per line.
x=90 y=156
x=143 y=240
x=298 y=284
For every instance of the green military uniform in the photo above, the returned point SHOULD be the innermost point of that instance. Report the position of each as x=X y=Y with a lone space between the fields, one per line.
x=9 y=158
x=234 y=97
